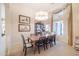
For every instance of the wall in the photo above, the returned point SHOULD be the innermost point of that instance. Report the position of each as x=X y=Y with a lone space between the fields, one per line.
x=66 y=18
x=75 y=9
x=64 y=15
x=14 y=40
x=13 y=37
x=75 y=23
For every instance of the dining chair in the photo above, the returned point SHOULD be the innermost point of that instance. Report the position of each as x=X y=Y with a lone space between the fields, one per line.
x=49 y=41
x=54 y=39
x=46 y=43
x=27 y=43
x=40 y=43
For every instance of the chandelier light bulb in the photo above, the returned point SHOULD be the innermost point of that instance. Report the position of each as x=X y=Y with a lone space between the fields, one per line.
x=41 y=15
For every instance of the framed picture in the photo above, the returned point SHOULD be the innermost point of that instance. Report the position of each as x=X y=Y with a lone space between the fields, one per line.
x=23 y=27
x=24 y=19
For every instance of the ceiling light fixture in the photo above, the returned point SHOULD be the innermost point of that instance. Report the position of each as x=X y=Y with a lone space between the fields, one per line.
x=41 y=15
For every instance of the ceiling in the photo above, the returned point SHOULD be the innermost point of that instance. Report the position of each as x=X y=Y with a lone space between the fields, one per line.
x=50 y=7
x=32 y=8
x=58 y=16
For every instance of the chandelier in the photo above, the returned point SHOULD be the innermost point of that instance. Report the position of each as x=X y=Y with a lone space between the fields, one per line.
x=41 y=15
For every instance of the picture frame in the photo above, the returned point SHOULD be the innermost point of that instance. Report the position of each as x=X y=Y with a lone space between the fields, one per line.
x=23 y=27
x=24 y=19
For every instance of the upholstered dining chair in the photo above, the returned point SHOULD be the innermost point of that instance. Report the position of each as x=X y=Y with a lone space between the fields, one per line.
x=40 y=43
x=52 y=39
x=49 y=41
x=27 y=43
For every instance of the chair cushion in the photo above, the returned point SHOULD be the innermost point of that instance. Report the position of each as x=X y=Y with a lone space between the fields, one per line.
x=28 y=45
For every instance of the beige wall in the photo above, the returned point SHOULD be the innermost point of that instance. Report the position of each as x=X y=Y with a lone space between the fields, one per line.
x=13 y=37
x=14 y=40
x=75 y=20
x=64 y=17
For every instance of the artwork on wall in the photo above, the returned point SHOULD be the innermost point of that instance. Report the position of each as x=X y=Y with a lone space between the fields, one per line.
x=23 y=27
x=24 y=19
x=24 y=23
x=39 y=28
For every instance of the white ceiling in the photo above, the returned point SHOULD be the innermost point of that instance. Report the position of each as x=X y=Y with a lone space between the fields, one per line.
x=32 y=8
x=58 y=16
x=50 y=7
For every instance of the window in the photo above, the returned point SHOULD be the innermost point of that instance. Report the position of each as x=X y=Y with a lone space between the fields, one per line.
x=58 y=27
x=47 y=27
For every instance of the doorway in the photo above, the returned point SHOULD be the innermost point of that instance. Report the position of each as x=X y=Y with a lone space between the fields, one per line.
x=2 y=29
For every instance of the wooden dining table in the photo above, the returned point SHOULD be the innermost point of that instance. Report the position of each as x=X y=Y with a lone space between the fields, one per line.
x=35 y=38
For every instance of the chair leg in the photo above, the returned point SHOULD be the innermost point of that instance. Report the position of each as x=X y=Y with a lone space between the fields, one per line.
x=34 y=48
x=51 y=44
x=25 y=52
x=23 y=49
x=54 y=41
x=46 y=46
x=38 y=49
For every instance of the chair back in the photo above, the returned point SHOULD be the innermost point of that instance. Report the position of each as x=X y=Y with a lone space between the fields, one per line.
x=40 y=41
x=24 y=43
x=54 y=36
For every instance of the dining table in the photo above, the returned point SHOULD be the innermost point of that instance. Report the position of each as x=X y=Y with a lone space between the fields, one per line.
x=35 y=38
